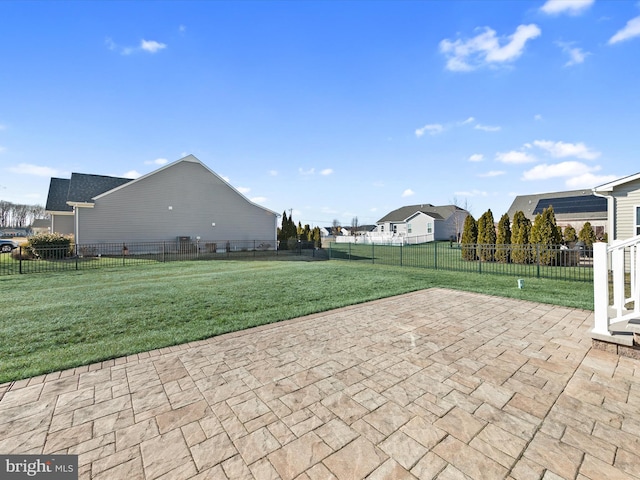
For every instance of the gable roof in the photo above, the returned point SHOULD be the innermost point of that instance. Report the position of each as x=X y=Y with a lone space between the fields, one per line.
x=57 y=196
x=83 y=187
x=570 y=202
x=608 y=187
x=439 y=213
x=192 y=159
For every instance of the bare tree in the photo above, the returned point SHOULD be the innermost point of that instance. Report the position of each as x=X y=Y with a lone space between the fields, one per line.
x=354 y=225
x=459 y=216
x=335 y=227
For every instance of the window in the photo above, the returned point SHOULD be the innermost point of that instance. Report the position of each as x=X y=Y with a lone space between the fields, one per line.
x=395 y=229
x=408 y=228
x=429 y=228
x=382 y=228
x=637 y=220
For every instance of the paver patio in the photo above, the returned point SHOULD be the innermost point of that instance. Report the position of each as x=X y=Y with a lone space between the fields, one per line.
x=432 y=384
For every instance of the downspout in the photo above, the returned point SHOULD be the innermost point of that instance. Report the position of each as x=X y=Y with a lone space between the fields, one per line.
x=76 y=213
x=611 y=217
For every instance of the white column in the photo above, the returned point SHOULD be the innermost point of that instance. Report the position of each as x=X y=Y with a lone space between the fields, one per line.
x=600 y=289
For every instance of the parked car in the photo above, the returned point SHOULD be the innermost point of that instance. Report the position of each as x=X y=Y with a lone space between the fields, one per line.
x=6 y=245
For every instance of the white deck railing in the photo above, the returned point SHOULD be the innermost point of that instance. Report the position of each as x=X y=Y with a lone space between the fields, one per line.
x=619 y=259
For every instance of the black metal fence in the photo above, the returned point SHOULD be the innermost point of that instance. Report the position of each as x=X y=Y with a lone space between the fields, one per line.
x=25 y=259
x=518 y=260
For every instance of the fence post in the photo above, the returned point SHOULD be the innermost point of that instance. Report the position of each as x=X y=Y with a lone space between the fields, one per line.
x=600 y=289
x=349 y=251
x=538 y=262
x=76 y=255
x=373 y=253
x=20 y=266
x=401 y=246
x=435 y=255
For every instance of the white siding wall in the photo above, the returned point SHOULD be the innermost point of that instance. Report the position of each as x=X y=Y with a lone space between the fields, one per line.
x=419 y=227
x=140 y=211
x=627 y=197
x=62 y=224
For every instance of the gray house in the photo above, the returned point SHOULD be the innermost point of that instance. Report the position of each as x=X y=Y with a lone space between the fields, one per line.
x=572 y=207
x=622 y=198
x=184 y=199
x=421 y=223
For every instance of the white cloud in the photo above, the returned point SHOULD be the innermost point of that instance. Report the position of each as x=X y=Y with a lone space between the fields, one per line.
x=562 y=149
x=152 y=46
x=258 y=199
x=432 y=129
x=537 y=117
x=273 y=173
x=572 y=7
x=476 y=157
x=326 y=171
x=562 y=169
x=132 y=174
x=492 y=173
x=468 y=120
x=487 y=128
x=35 y=170
x=485 y=48
x=311 y=171
x=182 y=28
x=157 y=161
x=243 y=190
x=631 y=30
x=515 y=157
x=589 y=180
x=576 y=55
x=408 y=193
x=226 y=179
x=378 y=184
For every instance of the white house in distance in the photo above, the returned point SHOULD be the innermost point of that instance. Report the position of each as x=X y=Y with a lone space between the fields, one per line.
x=414 y=224
x=181 y=200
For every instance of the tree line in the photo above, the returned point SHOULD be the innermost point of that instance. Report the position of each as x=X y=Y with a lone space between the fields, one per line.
x=289 y=234
x=520 y=241
x=16 y=215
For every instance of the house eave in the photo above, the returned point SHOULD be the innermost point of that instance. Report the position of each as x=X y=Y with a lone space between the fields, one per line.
x=81 y=205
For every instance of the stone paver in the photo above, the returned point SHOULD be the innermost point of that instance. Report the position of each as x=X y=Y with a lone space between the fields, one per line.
x=432 y=384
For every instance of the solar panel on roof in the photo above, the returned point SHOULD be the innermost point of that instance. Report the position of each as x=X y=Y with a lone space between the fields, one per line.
x=577 y=204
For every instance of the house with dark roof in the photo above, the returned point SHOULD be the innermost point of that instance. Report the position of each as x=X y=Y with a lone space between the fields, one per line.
x=184 y=199
x=573 y=207
x=622 y=200
x=419 y=224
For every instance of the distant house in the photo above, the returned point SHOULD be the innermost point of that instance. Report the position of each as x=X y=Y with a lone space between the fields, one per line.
x=419 y=224
x=573 y=207
x=622 y=198
x=41 y=225
x=184 y=199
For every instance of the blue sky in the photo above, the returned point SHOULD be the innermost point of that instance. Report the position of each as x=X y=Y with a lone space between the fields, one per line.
x=333 y=109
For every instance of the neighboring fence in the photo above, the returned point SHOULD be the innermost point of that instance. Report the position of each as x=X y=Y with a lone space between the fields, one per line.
x=537 y=261
x=87 y=256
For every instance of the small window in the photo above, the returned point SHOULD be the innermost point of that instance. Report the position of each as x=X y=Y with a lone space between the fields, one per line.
x=395 y=229
x=429 y=228
x=408 y=228
x=382 y=228
x=637 y=220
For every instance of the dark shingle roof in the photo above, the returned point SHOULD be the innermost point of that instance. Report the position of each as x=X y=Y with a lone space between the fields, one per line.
x=84 y=187
x=402 y=213
x=57 y=197
x=571 y=203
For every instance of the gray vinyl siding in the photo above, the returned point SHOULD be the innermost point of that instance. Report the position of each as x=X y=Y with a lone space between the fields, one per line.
x=627 y=198
x=139 y=211
x=62 y=224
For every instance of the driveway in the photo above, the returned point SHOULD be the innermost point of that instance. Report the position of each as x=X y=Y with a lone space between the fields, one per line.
x=432 y=384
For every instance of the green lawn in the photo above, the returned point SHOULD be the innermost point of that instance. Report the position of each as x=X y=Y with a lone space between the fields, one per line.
x=55 y=321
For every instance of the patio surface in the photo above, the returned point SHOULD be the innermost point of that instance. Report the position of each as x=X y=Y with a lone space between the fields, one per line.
x=432 y=384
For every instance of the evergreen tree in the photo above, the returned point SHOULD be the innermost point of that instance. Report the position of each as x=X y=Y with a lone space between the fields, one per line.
x=545 y=237
x=282 y=232
x=521 y=230
x=469 y=238
x=587 y=235
x=486 y=236
x=317 y=238
x=570 y=234
x=503 y=239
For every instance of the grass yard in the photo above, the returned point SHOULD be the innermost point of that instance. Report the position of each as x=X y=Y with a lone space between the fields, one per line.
x=51 y=322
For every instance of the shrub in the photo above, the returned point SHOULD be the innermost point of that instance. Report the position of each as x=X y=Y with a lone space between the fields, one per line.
x=570 y=234
x=587 y=235
x=544 y=233
x=469 y=238
x=486 y=236
x=520 y=248
x=503 y=239
x=50 y=246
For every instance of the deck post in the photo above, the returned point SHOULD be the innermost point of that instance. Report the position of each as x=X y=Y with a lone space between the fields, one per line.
x=600 y=289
